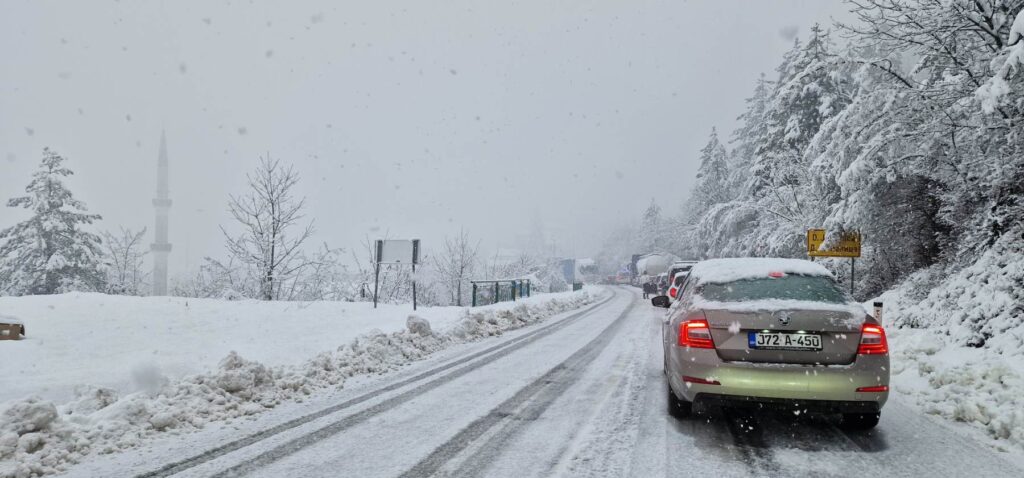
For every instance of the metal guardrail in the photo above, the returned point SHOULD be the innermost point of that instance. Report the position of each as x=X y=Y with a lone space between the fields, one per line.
x=486 y=292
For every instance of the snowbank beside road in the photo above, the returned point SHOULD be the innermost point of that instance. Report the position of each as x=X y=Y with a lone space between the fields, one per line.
x=957 y=342
x=39 y=437
x=125 y=343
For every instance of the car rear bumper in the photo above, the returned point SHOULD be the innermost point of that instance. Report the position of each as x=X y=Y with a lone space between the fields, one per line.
x=770 y=382
x=706 y=400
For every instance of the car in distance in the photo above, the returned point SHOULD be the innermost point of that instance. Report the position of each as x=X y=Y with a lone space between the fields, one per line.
x=680 y=266
x=677 y=283
x=770 y=334
x=662 y=283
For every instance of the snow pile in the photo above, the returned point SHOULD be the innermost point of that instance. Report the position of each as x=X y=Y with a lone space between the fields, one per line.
x=39 y=437
x=720 y=271
x=957 y=341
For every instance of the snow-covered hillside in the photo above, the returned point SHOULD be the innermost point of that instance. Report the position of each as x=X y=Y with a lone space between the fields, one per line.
x=97 y=373
x=958 y=342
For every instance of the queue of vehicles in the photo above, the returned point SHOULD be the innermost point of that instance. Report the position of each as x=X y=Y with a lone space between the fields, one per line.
x=770 y=334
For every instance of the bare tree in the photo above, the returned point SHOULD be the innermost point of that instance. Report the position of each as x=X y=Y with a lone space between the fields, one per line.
x=271 y=240
x=215 y=280
x=124 y=258
x=323 y=278
x=455 y=264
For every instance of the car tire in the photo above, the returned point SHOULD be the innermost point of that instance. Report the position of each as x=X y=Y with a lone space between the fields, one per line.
x=678 y=408
x=859 y=421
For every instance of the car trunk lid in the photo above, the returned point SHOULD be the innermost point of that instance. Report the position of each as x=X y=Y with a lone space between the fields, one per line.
x=733 y=333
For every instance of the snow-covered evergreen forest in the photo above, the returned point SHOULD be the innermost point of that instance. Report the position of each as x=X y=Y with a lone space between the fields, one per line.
x=905 y=124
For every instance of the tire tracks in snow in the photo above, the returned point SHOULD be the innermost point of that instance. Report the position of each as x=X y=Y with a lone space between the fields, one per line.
x=485 y=356
x=748 y=437
x=506 y=420
x=605 y=443
x=756 y=436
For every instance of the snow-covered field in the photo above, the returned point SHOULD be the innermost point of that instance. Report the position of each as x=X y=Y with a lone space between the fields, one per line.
x=98 y=373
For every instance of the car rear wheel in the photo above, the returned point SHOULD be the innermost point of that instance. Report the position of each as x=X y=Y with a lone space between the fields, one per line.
x=859 y=421
x=676 y=407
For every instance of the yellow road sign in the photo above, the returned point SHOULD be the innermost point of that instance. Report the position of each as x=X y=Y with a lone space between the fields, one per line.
x=848 y=245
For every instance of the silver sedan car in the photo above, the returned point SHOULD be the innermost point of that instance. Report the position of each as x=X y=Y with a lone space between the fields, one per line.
x=773 y=333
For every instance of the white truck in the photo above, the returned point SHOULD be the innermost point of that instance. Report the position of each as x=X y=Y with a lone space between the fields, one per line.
x=649 y=266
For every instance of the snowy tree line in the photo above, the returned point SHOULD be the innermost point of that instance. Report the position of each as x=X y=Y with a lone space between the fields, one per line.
x=269 y=254
x=905 y=124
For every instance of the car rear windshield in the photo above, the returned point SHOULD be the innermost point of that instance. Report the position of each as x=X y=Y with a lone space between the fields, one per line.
x=790 y=287
x=676 y=270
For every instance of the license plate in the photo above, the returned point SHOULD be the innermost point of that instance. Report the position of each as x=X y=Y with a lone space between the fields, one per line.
x=783 y=341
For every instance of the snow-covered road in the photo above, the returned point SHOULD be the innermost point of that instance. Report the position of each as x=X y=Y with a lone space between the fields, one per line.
x=579 y=395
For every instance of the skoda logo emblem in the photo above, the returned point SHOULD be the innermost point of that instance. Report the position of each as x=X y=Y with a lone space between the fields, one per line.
x=784 y=318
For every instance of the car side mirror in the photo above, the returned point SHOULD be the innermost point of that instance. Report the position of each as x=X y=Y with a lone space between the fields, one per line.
x=660 y=301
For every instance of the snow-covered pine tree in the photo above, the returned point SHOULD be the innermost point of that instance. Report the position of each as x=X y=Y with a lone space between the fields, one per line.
x=712 y=176
x=50 y=251
x=652 y=229
x=808 y=91
x=812 y=88
x=725 y=228
x=744 y=139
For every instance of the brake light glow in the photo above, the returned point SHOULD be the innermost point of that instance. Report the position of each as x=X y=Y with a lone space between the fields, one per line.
x=701 y=381
x=672 y=292
x=872 y=340
x=874 y=389
x=695 y=333
x=776 y=275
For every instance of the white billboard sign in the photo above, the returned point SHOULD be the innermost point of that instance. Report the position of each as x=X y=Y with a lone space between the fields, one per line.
x=402 y=251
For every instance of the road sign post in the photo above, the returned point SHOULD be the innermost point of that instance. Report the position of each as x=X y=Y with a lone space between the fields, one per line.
x=398 y=252
x=853 y=277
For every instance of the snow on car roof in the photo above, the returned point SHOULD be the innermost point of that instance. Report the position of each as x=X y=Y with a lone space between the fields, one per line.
x=720 y=271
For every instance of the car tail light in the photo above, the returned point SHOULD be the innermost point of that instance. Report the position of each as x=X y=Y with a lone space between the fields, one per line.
x=672 y=292
x=702 y=381
x=872 y=340
x=695 y=333
x=875 y=389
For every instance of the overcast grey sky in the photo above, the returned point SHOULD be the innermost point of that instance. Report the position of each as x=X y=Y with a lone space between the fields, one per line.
x=409 y=117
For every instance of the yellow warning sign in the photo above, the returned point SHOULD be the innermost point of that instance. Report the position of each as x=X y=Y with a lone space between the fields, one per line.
x=848 y=245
